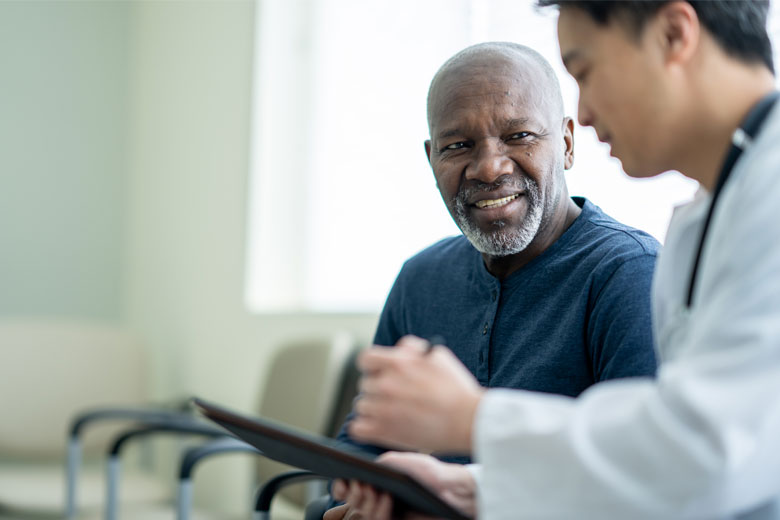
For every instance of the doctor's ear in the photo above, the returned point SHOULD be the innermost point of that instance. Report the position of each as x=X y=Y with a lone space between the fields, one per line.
x=568 y=142
x=678 y=31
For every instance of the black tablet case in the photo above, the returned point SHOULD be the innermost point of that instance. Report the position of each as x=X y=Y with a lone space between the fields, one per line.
x=328 y=458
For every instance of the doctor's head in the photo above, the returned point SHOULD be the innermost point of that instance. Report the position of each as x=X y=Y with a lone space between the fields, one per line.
x=646 y=69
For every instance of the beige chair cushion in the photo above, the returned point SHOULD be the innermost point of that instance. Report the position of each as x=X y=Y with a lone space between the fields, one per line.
x=53 y=369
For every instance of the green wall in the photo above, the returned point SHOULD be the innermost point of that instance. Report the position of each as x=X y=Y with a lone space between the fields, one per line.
x=63 y=120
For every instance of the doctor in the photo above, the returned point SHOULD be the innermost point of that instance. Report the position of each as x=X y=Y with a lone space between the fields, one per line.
x=669 y=85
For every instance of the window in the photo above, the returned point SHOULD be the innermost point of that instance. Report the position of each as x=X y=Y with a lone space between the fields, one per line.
x=341 y=192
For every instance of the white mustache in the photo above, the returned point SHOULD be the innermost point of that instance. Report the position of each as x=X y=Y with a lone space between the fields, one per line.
x=518 y=183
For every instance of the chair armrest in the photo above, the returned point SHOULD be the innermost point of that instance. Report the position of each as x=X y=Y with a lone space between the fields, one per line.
x=178 y=425
x=194 y=455
x=141 y=413
x=270 y=488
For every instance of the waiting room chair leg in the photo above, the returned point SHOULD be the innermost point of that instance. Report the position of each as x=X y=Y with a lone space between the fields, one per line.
x=184 y=502
x=112 y=487
x=71 y=476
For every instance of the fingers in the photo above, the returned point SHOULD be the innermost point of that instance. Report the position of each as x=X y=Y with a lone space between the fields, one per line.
x=377 y=421
x=378 y=358
x=415 y=400
x=336 y=513
x=366 y=503
x=412 y=343
x=339 y=489
x=360 y=497
x=384 y=507
x=370 y=385
x=362 y=502
x=391 y=457
x=406 y=460
x=367 y=430
x=362 y=428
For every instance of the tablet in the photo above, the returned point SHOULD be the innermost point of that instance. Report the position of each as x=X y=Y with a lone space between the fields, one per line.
x=328 y=458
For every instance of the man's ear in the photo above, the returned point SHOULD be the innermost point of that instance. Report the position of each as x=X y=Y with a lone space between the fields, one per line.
x=678 y=31
x=568 y=142
x=428 y=150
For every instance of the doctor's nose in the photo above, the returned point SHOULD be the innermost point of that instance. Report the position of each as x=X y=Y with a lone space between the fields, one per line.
x=490 y=163
x=584 y=114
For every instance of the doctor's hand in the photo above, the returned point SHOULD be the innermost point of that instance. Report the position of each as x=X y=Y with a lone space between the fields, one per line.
x=413 y=400
x=453 y=483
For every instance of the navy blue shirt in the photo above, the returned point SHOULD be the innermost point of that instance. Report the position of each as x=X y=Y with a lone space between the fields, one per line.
x=576 y=314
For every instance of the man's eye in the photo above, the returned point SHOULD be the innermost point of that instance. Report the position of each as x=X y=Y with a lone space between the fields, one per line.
x=520 y=135
x=454 y=146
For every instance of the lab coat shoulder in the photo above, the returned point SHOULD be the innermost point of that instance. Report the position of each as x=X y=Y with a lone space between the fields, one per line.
x=736 y=300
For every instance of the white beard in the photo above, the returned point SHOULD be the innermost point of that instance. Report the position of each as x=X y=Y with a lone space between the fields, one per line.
x=502 y=241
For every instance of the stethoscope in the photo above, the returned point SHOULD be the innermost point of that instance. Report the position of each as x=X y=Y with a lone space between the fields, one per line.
x=741 y=140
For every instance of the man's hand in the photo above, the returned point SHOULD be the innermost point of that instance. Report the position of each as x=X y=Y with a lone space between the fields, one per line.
x=414 y=400
x=452 y=482
x=361 y=502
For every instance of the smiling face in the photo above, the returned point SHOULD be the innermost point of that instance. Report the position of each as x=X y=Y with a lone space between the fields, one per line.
x=498 y=151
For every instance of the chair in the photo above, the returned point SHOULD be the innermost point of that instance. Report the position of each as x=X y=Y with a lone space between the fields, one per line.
x=315 y=505
x=306 y=384
x=322 y=415
x=51 y=369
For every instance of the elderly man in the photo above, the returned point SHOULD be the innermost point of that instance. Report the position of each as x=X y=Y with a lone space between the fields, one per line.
x=669 y=85
x=542 y=291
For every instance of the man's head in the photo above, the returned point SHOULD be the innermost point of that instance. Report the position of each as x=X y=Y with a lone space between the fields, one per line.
x=643 y=67
x=499 y=144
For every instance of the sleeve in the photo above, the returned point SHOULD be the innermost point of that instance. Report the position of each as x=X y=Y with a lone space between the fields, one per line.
x=476 y=472
x=701 y=441
x=619 y=329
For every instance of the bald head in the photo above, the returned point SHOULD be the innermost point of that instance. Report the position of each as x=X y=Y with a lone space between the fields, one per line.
x=498 y=59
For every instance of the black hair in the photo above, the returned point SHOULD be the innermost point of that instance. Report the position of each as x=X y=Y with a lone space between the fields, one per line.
x=739 y=26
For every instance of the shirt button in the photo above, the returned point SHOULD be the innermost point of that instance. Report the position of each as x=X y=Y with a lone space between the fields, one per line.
x=485 y=329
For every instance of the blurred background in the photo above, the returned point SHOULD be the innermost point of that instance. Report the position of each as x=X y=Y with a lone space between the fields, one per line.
x=215 y=177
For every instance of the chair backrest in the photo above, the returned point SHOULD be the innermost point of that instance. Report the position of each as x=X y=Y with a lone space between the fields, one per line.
x=345 y=400
x=52 y=369
x=305 y=383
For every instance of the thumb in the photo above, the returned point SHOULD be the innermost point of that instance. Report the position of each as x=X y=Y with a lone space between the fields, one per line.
x=412 y=344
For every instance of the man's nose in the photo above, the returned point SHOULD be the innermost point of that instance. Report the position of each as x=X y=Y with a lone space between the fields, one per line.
x=490 y=163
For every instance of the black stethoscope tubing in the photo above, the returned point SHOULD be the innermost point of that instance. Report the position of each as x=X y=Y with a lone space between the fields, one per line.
x=741 y=140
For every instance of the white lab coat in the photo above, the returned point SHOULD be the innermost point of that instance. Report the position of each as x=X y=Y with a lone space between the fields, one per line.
x=703 y=440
